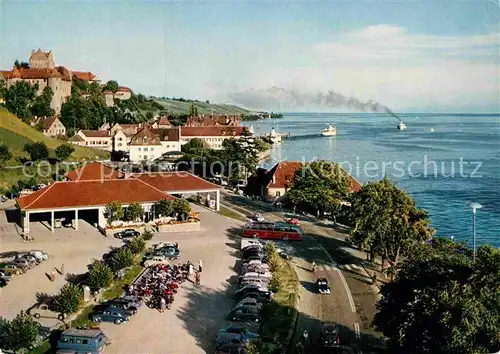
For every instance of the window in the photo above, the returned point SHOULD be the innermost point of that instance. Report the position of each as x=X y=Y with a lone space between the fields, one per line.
x=78 y=341
x=139 y=149
x=85 y=341
x=119 y=139
x=151 y=156
x=119 y=144
x=278 y=193
x=152 y=149
x=145 y=149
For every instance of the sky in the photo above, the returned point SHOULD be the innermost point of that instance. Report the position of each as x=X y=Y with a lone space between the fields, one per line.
x=412 y=56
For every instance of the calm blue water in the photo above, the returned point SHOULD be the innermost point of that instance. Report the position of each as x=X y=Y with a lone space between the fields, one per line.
x=442 y=169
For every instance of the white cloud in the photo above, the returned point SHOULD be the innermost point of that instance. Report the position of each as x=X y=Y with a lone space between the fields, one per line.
x=404 y=71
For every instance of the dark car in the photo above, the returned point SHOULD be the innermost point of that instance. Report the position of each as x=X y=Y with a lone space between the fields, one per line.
x=322 y=286
x=67 y=223
x=260 y=296
x=126 y=302
x=128 y=233
x=168 y=251
x=129 y=309
x=254 y=291
x=109 y=314
x=329 y=335
x=253 y=254
x=240 y=330
x=244 y=314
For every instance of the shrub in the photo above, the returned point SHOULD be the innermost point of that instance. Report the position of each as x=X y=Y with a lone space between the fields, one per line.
x=100 y=275
x=134 y=212
x=122 y=258
x=181 y=205
x=137 y=245
x=147 y=235
x=63 y=151
x=69 y=299
x=252 y=348
x=37 y=151
x=18 y=334
x=114 y=211
x=274 y=260
x=5 y=154
x=164 y=207
x=275 y=283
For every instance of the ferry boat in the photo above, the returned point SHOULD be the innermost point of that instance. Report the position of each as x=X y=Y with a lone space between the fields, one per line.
x=330 y=131
x=401 y=125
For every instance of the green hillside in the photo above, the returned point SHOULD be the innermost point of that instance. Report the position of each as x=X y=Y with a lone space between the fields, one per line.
x=178 y=107
x=15 y=133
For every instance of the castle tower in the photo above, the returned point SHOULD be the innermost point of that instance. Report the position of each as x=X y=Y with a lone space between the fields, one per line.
x=42 y=60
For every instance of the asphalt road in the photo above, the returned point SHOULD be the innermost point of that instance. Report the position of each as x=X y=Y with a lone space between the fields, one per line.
x=352 y=302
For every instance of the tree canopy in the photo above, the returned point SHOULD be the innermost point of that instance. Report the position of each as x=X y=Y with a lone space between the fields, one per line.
x=114 y=211
x=319 y=185
x=386 y=220
x=37 y=151
x=64 y=151
x=19 y=98
x=443 y=302
x=5 y=154
x=41 y=104
x=19 y=333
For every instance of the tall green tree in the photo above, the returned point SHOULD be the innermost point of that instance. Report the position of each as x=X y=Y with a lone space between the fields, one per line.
x=164 y=207
x=240 y=157
x=20 y=333
x=64 y=151
x=386 y=221
x=37 y=151
x=21 y=64
x=134 y=212
x=100 y=275
x=19 y=98
x=114 y=212
x=111 y=85
x=41 y=104
x=69 y=299
x=442 y=302
x=5 y=154
x=193 y=110
x=181 y=205
x=319 y=185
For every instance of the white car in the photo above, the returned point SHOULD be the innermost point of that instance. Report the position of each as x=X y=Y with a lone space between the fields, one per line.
x=164 y=244
x=254 y=268
x=39 y=255
x=249 y=242
x=156 y=260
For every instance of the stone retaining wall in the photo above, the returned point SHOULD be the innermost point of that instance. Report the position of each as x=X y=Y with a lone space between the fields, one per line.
x=184 y=227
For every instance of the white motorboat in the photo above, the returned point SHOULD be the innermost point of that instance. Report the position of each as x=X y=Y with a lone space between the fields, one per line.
x=402 y=125
x=275 y=137
x=330 y=131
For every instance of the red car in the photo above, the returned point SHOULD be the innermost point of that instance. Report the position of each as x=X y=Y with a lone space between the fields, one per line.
x=293 y=221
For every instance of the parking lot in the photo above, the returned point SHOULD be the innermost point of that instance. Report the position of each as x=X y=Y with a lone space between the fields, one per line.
x=196 y=314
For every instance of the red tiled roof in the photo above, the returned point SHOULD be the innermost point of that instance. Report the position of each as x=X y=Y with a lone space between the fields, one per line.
x=64 y=73
x=61 y=195
x=94 y=171
x=172 y=182
x=47 y=122
x=35 y=73
x=95 y=133
x=124 y=89
x=167 y=134
x=5 y=73
x=164 y=121
x=281 y=175
x=145 y=137
x=212 y=131
x=284 y=172
x=85 y=76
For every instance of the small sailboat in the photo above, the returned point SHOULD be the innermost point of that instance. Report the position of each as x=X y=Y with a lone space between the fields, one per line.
x=402 y=125
x=330 y=131
x=432 y=130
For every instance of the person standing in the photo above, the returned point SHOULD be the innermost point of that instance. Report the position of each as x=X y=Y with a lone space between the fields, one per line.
x=200 y=266
x=197 y=278
x=163 y=304
x=190 y=268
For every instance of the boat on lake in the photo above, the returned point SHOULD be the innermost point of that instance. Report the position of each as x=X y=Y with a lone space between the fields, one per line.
x=402 y=125
x=330 y=131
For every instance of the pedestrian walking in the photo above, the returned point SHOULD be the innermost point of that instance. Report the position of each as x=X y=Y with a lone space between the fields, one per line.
x=62 y=269
x=190 y=268
x=200 y=266
x=177 y=245
x=163 y=304
x=197 y=278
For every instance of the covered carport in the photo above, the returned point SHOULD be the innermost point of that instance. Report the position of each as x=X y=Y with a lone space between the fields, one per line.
x=86 y=196
x=182 y=183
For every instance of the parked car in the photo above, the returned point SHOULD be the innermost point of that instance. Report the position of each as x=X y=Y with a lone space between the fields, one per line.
x=232 y=349
x=130 y=311
x=252 y=248
x=257 y=274
x=239 y=330
x=293 y=221
x=253 y=252
x=329 y=336
x=23 y=264
x=169 y=252
x=43 y=310
x=224 y=338
x=244 y=314
x=240 y=293
x=11 y=269
x=262 y=267
x=3 y=282
x=251 y=302
x=32 y=260
x=39 y=255
x=126 y=302
x=82 y=341
x=262 y=282
x=67 y=223
x=164 y=244
x=109 y=314
x=322 y=286
x=128 y=233
x=5 y=275
x=258 y=217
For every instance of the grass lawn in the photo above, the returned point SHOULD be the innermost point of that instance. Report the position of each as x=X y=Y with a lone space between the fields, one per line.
x=10 y=176
x=116 y=289
x=232 y=214
x=15 y=133
x=279 y=321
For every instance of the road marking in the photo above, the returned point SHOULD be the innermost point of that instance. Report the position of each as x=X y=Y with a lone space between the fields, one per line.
x=346 y=287
x=356 y=330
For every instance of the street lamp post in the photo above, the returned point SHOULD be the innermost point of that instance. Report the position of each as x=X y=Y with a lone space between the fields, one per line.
x=474 y=206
